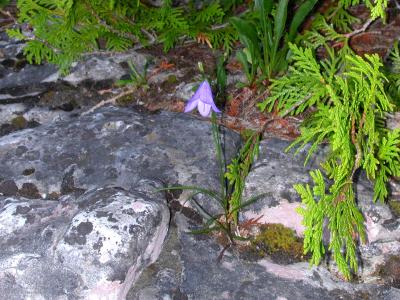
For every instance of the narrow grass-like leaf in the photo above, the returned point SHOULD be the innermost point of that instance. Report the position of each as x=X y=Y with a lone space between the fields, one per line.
x=248 y=202
x=211 y=193
x=279 y=22
x=247 y=32
x=299 y=17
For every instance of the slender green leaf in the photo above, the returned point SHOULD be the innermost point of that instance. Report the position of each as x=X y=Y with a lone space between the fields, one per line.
x=247 y=32
x=211 y=193
x=280 y=22
x=299 y=17
x=248 y=202
x=264 y=7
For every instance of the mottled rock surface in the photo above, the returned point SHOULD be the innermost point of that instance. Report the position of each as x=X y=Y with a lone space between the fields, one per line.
x=113 y=146
x=88 y=247
x=94 y=241
x=188 y=269
x=19 y=79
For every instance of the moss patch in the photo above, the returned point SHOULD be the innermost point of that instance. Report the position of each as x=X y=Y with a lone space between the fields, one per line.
x=125 y=100
x=19 y=122
x=280 y=242
x=172 y=79
x=395 y=207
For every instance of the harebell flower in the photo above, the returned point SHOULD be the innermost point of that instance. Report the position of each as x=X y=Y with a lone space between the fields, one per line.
x=226 y=222
x=203 y=100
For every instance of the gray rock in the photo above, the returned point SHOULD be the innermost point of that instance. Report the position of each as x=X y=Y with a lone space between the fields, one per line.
x=33 y=80
x=10 y=49
x=186 y=90
x=104 y=68
x=10 y=111
x=40 y=115
x=95 y=243
x=393 y=120
x=115 y=146
x=90 y=244
x=88 y=247
x=30 y=78
x=275 y=173
x=188 y=269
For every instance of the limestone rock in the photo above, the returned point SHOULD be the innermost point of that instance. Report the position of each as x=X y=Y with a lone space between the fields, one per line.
x=93 y=240
x=87 y=247
x=114 y=146
x=188 y=268
x=104 y=68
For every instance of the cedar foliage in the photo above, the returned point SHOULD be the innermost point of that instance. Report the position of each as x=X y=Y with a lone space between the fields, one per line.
x=377 y=7
x=349 y=99
x=65 y=29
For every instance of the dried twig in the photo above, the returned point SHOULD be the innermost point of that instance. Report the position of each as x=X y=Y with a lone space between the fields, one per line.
x=362 y=29
x=8 y=14
x=10 y=19
x=111 y=100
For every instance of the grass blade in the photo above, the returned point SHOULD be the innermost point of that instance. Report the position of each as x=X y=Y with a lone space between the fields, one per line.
x=220 y=155
x=247 y=32
x=298 y=18
x=248 y=202
x=211 y=193
x=280 y=22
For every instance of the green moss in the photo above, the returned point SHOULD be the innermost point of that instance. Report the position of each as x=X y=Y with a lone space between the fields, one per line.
x=280 y=242
x=395 y=207
x=19 y=122
x=172 y=79
x=126 y=100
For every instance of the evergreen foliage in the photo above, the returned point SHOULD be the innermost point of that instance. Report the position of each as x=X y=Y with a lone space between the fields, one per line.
x=237 y=172
x=340 y=18
x=350 y=102
x=377 y=7
x=393 y=74
x=328 y=28
x=65 y=29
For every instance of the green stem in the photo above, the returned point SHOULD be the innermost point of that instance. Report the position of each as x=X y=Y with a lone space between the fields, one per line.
x=220 y=157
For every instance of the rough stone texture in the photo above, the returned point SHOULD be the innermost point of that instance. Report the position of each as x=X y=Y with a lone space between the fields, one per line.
x=33 y=80
x=104 y=68
x=188 y=269
x=88 y=247
x=88 y=244
x=21 y=80
x=30 y=75
x=37 y=115
x=274 y=174
x=114 y=146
